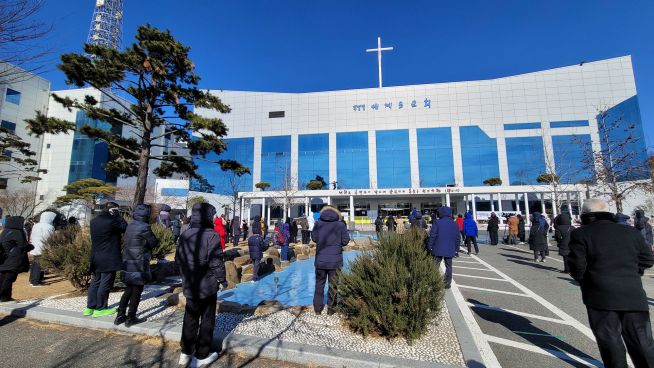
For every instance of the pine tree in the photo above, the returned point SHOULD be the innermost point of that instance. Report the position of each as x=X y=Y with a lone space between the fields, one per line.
x=151 y=86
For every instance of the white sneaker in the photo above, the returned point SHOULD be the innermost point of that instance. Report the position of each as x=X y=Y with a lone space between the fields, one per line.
x=208 y=360
x=184 y=359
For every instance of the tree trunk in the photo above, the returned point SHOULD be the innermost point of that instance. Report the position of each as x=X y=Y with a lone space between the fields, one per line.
x=144 y=168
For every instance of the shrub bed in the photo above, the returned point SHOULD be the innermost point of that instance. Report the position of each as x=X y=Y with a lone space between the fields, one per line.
x=395 y=290
x=166 y=241
x=68 y=253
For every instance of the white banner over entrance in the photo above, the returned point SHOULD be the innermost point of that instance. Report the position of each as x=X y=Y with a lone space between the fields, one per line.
x=485 y=215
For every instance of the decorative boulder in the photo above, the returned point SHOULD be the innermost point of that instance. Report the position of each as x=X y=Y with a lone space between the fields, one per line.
x=268 y=307
x=247 y=269
x=242 y=260
x=247 y=277
x=301 y=257
x=312 y=252
x=232 y=274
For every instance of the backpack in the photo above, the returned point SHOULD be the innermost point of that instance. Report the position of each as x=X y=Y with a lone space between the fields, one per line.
x=279 y=237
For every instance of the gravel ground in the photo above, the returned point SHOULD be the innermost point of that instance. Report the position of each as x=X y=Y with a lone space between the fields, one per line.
x=150 y=307
x=440 y=344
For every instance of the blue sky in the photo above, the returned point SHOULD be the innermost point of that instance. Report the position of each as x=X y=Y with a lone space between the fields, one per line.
x=299 y=45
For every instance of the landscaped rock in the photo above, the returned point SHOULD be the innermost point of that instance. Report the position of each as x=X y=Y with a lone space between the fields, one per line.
x=301 y=257
x=230 y=254
x=162 y=269
x=312 y=252
x=232 y=307
x=267 y=307
x=232 y=274
x=246 y=277
x=247 y=269
x=243 y=251
x=242 y=260
x=285 y=264
x=171 y=298
x=272 y=252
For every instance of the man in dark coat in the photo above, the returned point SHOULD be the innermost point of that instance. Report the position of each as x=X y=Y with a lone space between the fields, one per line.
x=200 y=261
x=379 y=226
x=642 y=224
x=106 y=231
x=493 y=227
x=330 y=235
x=419 y=222
x=255 y=247
x=236 y=230
x=522 y=232
x=177 y=227
x=444 y=240
x=538 y=237
x=562 y=229
x=13 y=255
x=139 y=242
x=390 y=223
x=608 y=260
x=294 y=230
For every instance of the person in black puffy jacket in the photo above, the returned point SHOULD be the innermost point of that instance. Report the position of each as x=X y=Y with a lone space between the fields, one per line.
x=139 y=242
x=200 y=260
x=255 y=247
x=562 y=229
x=13 y=255
x=330 y=235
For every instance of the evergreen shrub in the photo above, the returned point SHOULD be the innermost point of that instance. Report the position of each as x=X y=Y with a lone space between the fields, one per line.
x=395 y=290
x=68 y=253
x=166 y=241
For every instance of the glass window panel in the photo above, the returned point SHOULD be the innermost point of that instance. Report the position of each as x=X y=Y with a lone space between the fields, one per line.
x=9 y=125
x=217 y=181
x=569 y=155
x=526 y=159
x=352 y=170
x=313 y=158
x=88 y=157
x=478 y=156
x=435 y=158
x=276 y=160
x=520 y=126
x=393 y=166
x=568 y=124
x=12 y=96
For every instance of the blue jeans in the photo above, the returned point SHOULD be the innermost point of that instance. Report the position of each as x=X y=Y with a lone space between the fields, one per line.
x=284 y=252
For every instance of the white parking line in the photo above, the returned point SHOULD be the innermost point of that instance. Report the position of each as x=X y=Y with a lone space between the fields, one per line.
x=551 y=352
x=523 y=314
x=492 y=290
x=474 y=268
x=524 y=251
x=457 y=261
x=551 y=307
x=478 y=277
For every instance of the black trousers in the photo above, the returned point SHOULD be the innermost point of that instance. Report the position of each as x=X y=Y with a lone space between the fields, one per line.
x=448 y=269
x=305 y=236
x=197 y=330
x=493 y=236
x=101 y=284
x=541 y=253
x=472 y=239
x=611 y=328
x=7 y=279
x=36 y=273
x=255 y=268
x=132 y=297
x=245 y=236
x=323 y=275
x=566 y=269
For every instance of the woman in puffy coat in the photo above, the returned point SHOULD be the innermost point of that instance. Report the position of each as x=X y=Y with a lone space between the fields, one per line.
x=255 y=247
x=139 y=241
x=219 y=227
x=13 y=255
x=470 y=231
x=493 y=228
x=562 y=229
x=330 y=235
x=538 y=237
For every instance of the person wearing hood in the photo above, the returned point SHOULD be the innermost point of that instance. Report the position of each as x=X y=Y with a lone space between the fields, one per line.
x=622 y=219
x=562 y=229
x=470 y=232
x=493 y=227
x=40 y=232
x=390 y=223
x=139 y=241
x=236 y=230
x=13 y=250
x=219 y=228
x=106 y=231
x=255 y=247
x=294 y=229
x=379 y=226
x=444 y=241
x=642 y=224
x=177 y=227
x=245 y=229
x=419 y=222
x=200 y=261
x=513 y=224
x=330 y=236
x=522 y=232
x=538 y=237
x=412 y=215
x=608 y=261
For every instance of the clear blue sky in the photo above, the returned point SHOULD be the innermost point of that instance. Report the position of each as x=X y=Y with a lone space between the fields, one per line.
x=299 y=45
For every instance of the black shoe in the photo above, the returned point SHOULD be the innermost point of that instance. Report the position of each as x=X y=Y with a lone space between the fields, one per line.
x=330 y=312
x=120 y=318
x=318 y=312
x=134 y=321
x=448 y=286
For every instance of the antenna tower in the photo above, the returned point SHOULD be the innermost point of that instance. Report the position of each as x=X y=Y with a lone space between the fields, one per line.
x=107 y=24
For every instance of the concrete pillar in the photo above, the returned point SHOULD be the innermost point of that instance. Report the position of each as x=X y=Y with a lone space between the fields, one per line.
x=329 y=201
x=465 y=198
x=526 y=204
x=249 y=212
x=569 y=204
x=542 y=203
x=240 y=210
x=580 y=198
x=307 y=201
x=499 y=207
x=284 y=213
x=351 y=208
x=447 y=199
x=517 y=202
x=492 y=203
x=527 y=221
x=555 y=206
x=474 y=207
x=268 y=214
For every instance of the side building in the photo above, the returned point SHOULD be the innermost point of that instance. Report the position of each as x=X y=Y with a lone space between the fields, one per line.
x=388 y=150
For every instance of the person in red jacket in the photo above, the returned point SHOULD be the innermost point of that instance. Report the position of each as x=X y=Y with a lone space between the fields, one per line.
x=219 y=227
x=459 y=221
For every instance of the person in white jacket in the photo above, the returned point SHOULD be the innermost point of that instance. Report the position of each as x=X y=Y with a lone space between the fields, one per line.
x=40 y=232
x=311 y=221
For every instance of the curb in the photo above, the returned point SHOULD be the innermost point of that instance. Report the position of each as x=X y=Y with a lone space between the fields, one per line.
x=254 y=346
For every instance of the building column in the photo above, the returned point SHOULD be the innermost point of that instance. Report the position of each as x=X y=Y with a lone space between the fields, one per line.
x=492 y=203
x=499 y=207
x=447 y=199
x=332 y=160
x=284 y=213
x=249 y=212
x=542 y=203
x=517 y=202
x=329 y=201
x=351 y=208
x=413 y=158
x=465 y=198
x=307 y=206
x=372 y=158
x=527 y=221
x=526 y=204
x=268 y=214
x=256 y=170
x=555 y=205
x=474 y=208
x=580 y=198
x=569 y=204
